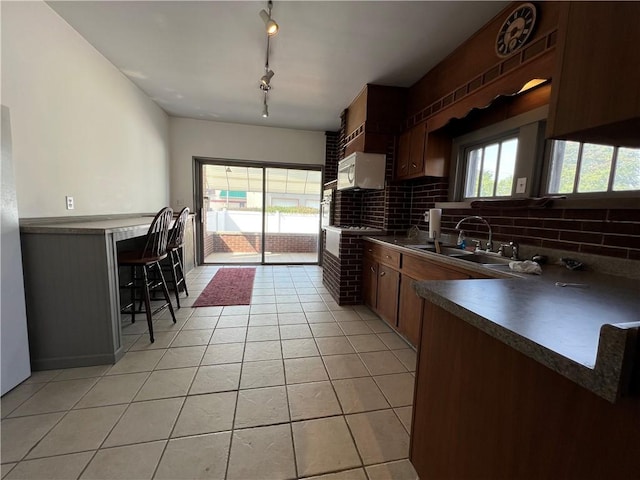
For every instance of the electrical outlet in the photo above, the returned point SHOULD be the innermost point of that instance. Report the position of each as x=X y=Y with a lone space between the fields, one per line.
x=521 y=185
x=70 y=204
x=426 y=216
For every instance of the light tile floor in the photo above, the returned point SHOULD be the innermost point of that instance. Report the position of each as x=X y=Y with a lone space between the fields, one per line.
x=291 y=386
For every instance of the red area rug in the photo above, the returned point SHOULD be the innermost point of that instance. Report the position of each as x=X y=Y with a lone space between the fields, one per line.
x=229 y=286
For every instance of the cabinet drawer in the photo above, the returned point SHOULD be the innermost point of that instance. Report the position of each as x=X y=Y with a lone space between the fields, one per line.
x=389 y=257
x=425 y=270
x=384 y=255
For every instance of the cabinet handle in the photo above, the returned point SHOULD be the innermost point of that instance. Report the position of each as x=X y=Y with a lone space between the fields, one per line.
x=373 y=270
x=413 y=165
x=382 y=274
x=388 y=256
x=371 y=250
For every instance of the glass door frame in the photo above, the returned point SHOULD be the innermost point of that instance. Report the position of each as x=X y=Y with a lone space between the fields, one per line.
x=198 y=172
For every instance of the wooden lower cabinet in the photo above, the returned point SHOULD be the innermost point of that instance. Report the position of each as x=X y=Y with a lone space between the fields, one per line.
x=409 y=311
x=369 y=282
x=483 y=410
x=387 y=294
x=387 y=286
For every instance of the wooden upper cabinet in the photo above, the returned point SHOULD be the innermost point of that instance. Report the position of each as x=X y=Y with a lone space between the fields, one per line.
x=402 y=156
x=437 y=153
x=416 y=154
x=596 y=94
x=410 y=157
x=374 y=118
x=421 y=153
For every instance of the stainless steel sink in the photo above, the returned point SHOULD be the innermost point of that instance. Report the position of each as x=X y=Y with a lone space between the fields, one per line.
x=443 y=250
x=453 y=252
x=482 y=259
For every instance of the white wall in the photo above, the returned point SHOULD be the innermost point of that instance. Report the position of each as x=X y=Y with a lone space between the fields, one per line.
x=80 y=127
x=201 y=138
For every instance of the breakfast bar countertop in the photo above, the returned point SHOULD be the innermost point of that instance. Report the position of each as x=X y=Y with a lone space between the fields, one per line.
x=587 y=333
x=87 y=225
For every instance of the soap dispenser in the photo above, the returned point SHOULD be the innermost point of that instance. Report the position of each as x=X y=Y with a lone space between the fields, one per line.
x=462 y=241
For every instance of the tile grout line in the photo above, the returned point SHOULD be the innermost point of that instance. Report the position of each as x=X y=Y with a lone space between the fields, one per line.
x=235 y=410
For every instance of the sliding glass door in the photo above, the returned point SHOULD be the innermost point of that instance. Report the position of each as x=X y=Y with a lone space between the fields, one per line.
x=251 y=213
x=232 y=214
x=292 y=215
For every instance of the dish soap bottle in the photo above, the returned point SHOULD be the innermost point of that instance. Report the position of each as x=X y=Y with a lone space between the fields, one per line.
x=462 y=241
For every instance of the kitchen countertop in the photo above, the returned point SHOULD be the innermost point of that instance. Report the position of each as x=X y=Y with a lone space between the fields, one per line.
x=586 y=334
x=88 y=227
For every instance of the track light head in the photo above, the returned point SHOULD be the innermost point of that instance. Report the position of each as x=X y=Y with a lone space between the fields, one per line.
x=266 y=79
x=269 y=23
x=265 y=110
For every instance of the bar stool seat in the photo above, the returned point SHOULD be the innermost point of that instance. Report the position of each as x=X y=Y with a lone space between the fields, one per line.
x=144 y=262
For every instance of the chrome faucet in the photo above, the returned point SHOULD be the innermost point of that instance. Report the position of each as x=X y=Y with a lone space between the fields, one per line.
x=477 y=217
x=514 y=249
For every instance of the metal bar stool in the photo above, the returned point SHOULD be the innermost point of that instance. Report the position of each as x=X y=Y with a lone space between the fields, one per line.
x=174 y=249
x=143 y=262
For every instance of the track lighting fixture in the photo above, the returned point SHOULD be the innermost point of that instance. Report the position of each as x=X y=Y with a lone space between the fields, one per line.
x=265 y=80
x=269 y=23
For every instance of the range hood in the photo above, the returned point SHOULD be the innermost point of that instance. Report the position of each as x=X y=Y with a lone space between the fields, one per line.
x=362 y=171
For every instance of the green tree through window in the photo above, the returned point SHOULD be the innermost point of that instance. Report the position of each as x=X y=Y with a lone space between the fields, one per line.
x=589 y=168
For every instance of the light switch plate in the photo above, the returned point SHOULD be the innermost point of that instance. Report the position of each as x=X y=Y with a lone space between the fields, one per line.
x=521 y=185
x=70 y=204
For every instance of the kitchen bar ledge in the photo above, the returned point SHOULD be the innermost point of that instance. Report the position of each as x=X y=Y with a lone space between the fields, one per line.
x=588 y=335
x=72 y=286
x=90 y=225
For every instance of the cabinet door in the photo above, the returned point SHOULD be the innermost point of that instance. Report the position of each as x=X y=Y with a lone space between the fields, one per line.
x=402 y=159
x=437 y=152
x=410 y=311
x=369 y=282
x=595 y=90
x=387 y=298
x=416 y=152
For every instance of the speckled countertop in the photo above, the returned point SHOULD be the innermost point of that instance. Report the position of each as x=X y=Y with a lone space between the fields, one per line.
x=89 y=227
x=587 y=334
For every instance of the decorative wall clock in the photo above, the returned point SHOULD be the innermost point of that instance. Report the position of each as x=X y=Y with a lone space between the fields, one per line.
x=516 y=29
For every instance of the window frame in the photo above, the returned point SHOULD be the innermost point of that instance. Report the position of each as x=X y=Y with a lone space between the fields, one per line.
x=507 y=136
x=529 y=128
x=575 y=195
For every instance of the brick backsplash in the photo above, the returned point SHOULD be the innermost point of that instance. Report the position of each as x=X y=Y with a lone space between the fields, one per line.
x=609 y=232
x=425 y=193
x=332 y=156
x=396 y=214
x=373 y=208
x=348 y=207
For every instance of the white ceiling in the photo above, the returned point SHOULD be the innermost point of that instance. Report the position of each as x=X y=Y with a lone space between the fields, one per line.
x=204 y=59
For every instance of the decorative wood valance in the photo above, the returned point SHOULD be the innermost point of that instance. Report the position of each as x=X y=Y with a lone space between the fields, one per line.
x=506 y=77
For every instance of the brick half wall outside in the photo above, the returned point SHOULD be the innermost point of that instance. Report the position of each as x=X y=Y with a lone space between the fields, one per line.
x=252 y=243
